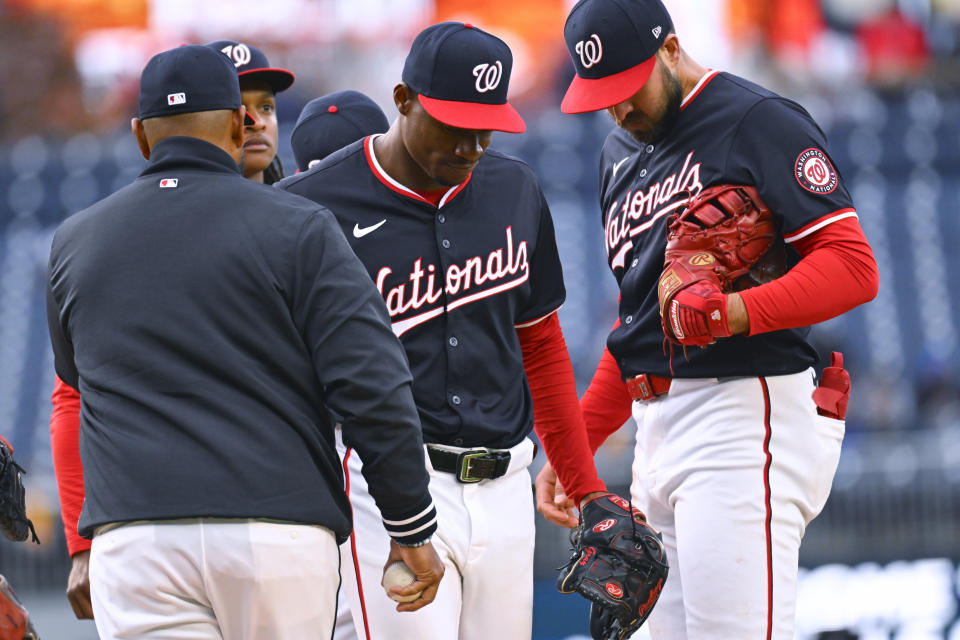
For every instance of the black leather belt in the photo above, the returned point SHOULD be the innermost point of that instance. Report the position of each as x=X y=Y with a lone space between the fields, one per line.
x=470 y=465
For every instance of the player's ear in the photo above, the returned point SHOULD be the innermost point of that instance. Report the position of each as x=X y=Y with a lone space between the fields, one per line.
x=237 y=123
x=403 y=97
x=137 y=127
x=670 y=49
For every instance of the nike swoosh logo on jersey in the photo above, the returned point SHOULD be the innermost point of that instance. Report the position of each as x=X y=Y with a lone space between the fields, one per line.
x=359 y=233
x=617 y=165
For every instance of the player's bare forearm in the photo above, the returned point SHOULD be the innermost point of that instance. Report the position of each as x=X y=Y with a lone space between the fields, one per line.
x=737 y=316
x=78 y=586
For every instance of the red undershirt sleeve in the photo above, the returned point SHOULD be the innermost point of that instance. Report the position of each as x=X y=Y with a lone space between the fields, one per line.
x=65 y=445
x=556 y=411
x=836 y=273
x=607 y=404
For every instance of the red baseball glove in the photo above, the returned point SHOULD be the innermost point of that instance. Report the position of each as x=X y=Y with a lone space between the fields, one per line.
x=720 y=243
x=15 y=622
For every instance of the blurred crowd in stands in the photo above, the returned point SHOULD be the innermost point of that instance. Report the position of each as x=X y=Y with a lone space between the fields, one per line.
x=72 y=65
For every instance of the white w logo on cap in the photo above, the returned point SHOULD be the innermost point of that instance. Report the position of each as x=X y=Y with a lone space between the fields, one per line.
x=591 y=51
x=239 y=54
x=488 y=76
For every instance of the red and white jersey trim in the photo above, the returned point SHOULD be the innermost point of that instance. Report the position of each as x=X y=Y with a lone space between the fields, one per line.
x=385 y=178
x=538 y=320
x=819 y=223
x=697 y=88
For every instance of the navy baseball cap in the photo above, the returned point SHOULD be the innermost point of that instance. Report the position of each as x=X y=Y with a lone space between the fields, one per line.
x=251 y=62
x=462 y=74
x=186 y=80
x=613 y=44
x=332 y=122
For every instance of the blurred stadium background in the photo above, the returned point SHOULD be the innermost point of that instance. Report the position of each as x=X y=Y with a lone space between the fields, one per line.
x=882 y=77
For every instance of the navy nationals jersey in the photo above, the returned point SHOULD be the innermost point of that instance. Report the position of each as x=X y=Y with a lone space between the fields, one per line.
x=457 y=279
x=729 y=131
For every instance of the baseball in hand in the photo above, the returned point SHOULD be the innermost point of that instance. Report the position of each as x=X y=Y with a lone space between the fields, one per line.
x=399 y=575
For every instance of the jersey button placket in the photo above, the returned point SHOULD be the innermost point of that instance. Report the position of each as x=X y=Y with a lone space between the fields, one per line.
x=456 y=400
x=445 y=243
x=453 y=341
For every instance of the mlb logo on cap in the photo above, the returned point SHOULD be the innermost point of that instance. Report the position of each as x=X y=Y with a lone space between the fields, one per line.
x=169 y=183
x=169 y=76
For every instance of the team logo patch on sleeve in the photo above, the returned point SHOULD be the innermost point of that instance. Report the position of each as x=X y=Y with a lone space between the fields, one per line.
x=815 y=173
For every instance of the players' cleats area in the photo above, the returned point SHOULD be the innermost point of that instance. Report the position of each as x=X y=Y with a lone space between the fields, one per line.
x=618 y=563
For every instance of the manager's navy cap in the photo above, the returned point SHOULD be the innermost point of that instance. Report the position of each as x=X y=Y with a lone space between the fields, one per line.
x=252 y=63
x=332 y=122
x=186 y=80
x=613 y=44
x=462 y=74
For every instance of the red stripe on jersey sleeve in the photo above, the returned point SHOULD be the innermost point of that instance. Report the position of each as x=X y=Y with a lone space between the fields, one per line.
x=556 y=410
x=819 y=223
x=837 y=272
x=65 y=445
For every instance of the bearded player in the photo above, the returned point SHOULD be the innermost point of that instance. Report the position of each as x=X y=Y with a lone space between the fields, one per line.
x=734 y=457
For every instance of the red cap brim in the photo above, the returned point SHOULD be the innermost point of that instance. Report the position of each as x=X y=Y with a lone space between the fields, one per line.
x=593 y=95
x=473 y=115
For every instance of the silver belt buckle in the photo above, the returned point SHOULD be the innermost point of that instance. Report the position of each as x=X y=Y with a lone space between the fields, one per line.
x=465 y=463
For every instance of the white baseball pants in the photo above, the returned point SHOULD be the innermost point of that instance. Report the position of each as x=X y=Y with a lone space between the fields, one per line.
x=731 y=472
x=485 y=538
x=214 y=579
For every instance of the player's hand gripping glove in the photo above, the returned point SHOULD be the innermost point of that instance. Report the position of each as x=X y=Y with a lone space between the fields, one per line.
x=14 y=620
x=618 y=563
x=720 y=243
x=13 y=512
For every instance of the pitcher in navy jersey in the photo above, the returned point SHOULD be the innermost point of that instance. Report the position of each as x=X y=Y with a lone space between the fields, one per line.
x=733 y=456
x=460 y=242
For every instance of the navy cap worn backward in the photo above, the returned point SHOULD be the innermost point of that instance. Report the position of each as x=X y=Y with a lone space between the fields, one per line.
x=332 y=122
x=613 y=45
x=186 y=80
x=462 y=74
x=252 y=63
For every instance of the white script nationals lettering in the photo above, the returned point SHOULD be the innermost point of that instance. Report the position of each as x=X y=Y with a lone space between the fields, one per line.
x=640 y=208
x=477 y=278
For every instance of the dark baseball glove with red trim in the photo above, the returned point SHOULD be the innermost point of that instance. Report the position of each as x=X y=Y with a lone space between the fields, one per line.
x=725 y=240
x=618 y=563
x=13 y=510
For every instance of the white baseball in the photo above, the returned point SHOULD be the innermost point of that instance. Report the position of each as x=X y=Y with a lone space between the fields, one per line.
x=399 y=575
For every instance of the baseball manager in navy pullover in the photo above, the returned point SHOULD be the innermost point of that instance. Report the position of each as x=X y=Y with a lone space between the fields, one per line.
x=211 y=324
